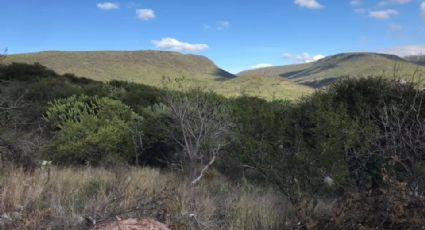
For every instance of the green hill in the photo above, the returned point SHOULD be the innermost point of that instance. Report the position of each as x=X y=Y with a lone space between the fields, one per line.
x=149 y=67
x=138 y=66
x=330 y=69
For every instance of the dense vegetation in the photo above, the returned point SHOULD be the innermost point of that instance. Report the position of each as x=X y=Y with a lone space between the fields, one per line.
x=350 y=156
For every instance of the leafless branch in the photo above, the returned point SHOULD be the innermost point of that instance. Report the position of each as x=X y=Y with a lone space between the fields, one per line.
x=203 y=125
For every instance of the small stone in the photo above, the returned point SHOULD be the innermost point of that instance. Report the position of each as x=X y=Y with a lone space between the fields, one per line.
x=5 y=216
x=328 y=181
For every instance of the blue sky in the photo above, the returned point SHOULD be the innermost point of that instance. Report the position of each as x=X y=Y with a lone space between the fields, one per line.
x=236 y=34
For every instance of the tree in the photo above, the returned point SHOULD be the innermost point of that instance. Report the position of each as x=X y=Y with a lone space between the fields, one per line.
x=399 y=146
x=202 y=121
x=3 y=55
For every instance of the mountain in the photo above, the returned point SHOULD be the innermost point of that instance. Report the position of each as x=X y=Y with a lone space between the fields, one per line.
x=149 y=67
x=327 y=70
x=139 y=66
x=417 y=59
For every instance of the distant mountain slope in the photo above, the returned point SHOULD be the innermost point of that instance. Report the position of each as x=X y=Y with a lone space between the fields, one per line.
x=139 y=66
x=329 y=69
x=418 y=59
x=149 y=67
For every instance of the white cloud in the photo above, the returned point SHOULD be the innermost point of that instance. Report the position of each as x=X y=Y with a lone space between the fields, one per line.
x=302 y=58
x=355 y=2
x=389 y=2
x=423 y=10
x=395 y=27
x=145 y=14
x=219 y=26
x=261 y=65
x=174 y=44
x=108 y=6
x=404 y=51
x=310 y=4
x=383 y=14
x=359 y=10
x=318 y=57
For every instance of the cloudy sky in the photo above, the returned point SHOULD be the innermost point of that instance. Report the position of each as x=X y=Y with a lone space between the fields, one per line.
x=236 y=34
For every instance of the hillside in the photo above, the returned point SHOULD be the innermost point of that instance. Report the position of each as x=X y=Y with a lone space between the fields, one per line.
x=138 y=66
x=418 y=59
x=266 y=87
x=149 y=67
x=329 y=69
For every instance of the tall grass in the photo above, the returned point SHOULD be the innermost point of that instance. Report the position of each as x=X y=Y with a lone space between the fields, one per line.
x=70 y=198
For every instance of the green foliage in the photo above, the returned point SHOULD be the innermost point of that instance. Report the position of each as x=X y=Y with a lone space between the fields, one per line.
x=91 y=130
x=25 y=93
x=158 y=137
x=295 y=146
x=135 y=95
x=395 y=146
x=355 y=131
x=343 y=132
x=24 y=72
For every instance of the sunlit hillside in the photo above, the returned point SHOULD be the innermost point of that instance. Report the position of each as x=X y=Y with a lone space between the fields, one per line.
x=330 y=69
x=150 y=67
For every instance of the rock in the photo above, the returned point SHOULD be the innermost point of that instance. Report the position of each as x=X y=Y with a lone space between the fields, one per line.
x=328 y=181
x=5 y=217
x=4 y=220
x=15 y=216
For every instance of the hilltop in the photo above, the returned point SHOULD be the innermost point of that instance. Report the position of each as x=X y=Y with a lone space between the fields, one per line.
x=149 y=67
x=330 y=69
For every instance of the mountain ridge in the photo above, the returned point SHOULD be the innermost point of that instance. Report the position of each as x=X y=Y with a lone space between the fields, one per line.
x=150 y=67
x=149 y=62
x=327 y=70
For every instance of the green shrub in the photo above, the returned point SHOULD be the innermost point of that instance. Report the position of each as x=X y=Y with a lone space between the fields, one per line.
x=136 y=96
x=24 y=72
x=91 y=130
x=353 y=132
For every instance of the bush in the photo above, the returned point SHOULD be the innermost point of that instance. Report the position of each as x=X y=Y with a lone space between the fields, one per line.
x=342 y=139
x=135 y=95
x=91 y=130
x=393 y=209
x=159 y=147
x=24 y=72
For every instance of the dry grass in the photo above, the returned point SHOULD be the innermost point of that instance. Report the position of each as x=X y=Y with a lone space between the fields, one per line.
x=68 y=197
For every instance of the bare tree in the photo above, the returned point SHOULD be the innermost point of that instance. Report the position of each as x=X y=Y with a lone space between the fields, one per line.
x=397 y=148
x=3 y=55
x=20 y=137
x=204 y=127
x=137 y=136
x=403 y=132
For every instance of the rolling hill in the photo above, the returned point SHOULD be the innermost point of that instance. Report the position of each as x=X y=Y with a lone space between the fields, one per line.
x=149 y=67
x=330 y=69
